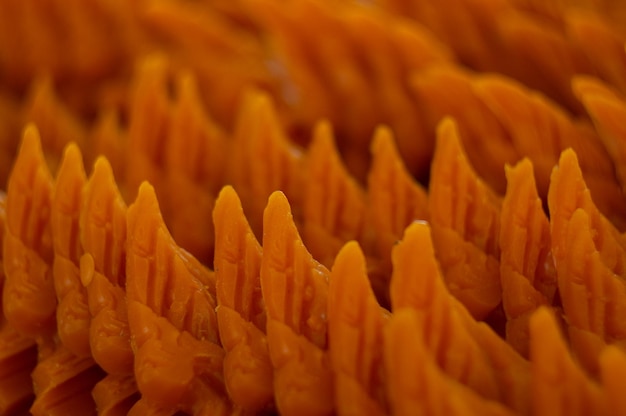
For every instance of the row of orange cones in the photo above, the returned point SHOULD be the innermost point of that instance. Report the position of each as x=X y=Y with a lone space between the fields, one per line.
x=101 y=301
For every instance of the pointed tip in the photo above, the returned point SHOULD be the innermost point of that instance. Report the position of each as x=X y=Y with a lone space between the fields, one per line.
x=383 y=141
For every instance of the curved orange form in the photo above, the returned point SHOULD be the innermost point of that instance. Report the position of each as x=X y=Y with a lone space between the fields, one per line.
x=527 y=270
x=465 y=218
x=416 y=385
x=334 y=203
x=295 y=290
x=27 y=243
x=103 y=270
x=355 y=337
x=559 y=386
x=73 y=317
x=248 y=372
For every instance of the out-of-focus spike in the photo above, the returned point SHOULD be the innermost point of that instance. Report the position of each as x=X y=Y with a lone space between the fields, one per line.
x=602 y=44
x=394 y=198
x=248 y=372
x=465 y=218
x=150 y=113
x=559 y=386
x=63 y=384
x=108 y=139
x=295 y=290
x=58 y=125
x=355 y=337
x=612 y=370
x=27 y=251
x=173 y=368
x=334 y=203
x=115 y=395
x=103 y=270
x=540 y=130
x=448 y=91
x=527 y=270
x=162 y=276
x=262 y=159
x=416 y=385
x=608 y=111
x=72 y=315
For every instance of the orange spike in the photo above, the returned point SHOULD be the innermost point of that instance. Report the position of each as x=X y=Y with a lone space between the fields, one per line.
x=103 y=269
x=559 y=387
x=416 y=385
x=108 y=139
x=73 y=318
x=608 y=111
x=162 y=276
x=63 y=384
x=295 y=292
x=248 y=373
x=593 y=297
x=57 y=124
x=444 y=91
x=540 y=130
x=443 y=330
x=174 y=369
x=465 y=216
x=115 y=395
x=149 y=123
x=262 y=159
x=28 y=279
x=394 y=198
x=568 y=192
x=334 y=203
x=355 y=325
x=527 y=270
x=613 y=368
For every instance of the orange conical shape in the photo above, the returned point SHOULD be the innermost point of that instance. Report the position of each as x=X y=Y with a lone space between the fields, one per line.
x=174 y=369
x=58 y=125
x=115 y=395
x=355 y=334
x=417 y=284
x=178 y=362
x=334 y=203
x=262 y=159
x=194 y=169
x=416 y=385
x=164 y=277
x=601 y=43
x=465 y=218
x=540 y=130
x=295 y=288
x=150 y=110
x=613 y=368
x=63 y=384
x=73 y=317
x=394 y=198
x=559 y=387
x=444 y=91
x=29 y=300
x=108 y=139
x=608 y=111
x=590 y=261
x=103 y=269
x=248 y=372
x=527 y=269
x=568 y=192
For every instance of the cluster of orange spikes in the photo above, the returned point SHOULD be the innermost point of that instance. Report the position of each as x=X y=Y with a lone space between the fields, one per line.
x=312 y=207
